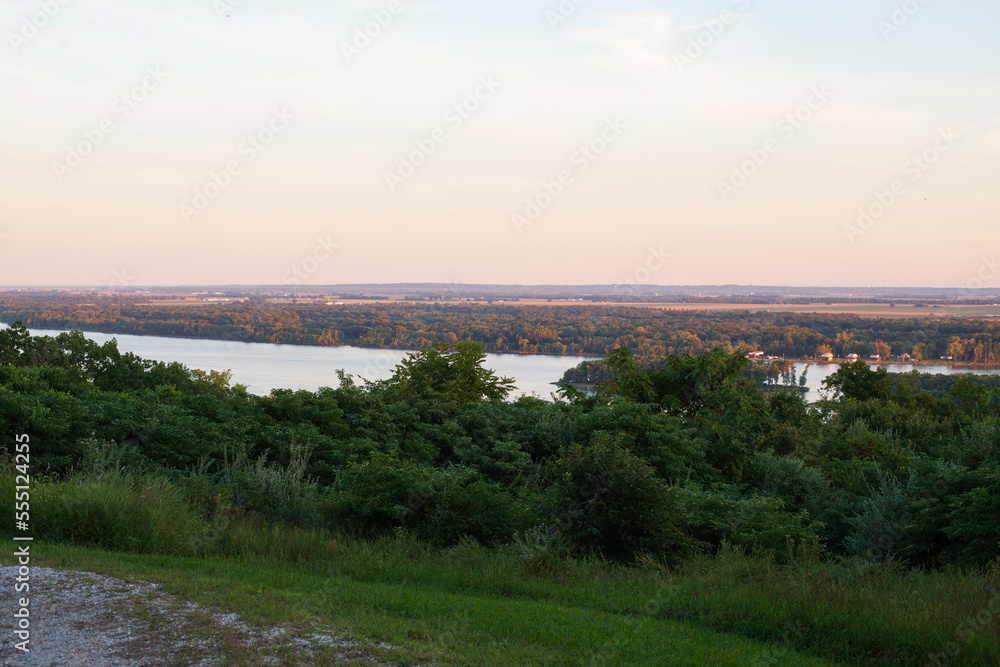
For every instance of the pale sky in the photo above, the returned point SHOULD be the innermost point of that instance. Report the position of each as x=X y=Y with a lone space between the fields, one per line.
x=672 y=98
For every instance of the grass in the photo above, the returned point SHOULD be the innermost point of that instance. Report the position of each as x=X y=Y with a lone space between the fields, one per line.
x=140 y=513
x=472 y=605
x=855 y=612
x=427 y=623
x=467 y=605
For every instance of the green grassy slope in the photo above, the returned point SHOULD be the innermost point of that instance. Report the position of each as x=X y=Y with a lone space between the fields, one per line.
x=428 y=624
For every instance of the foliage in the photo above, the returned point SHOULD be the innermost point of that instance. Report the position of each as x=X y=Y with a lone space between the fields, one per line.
x=117 y=510
x=384 y=493
x=857 y=381
x=456 y=376
x=665 y=460
x=272 y=492
x=513 y=328
x=539 y=544
x=609 y=501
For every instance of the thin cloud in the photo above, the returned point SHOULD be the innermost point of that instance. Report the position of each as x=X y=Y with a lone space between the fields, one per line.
x=640 y=38
x=709 y=22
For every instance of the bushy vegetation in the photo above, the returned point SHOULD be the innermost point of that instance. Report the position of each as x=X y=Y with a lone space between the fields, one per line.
x=686 y=469
x=666 y=461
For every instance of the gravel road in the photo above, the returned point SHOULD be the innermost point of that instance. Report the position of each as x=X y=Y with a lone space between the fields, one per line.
x=89 y=620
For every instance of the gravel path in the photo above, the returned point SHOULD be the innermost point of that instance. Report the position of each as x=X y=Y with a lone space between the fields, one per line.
x=89 y=620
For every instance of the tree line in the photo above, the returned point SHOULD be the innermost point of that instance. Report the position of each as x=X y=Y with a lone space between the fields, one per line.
x=570 y=330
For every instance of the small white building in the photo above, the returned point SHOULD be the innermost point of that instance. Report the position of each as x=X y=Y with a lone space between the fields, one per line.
x=851 y=358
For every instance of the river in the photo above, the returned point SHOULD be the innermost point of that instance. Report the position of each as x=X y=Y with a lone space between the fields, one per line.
x=820 y=371
x=262 y=367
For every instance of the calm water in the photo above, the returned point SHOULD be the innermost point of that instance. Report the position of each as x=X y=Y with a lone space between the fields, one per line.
x=264 y=366
x=819 y=372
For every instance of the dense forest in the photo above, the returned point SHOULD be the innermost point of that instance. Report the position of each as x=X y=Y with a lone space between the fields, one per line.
x=587 y=330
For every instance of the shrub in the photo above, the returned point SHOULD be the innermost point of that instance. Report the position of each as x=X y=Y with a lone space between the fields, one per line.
x=106 y=456
x=380 y=494
x=118 y=512
x=980 y=442
x=464 y=505
x=607 y=500
x=789 y=478
x=880 y=525
x=755 y=523
x=442 y=506
x=539 y=545
x=275 y=493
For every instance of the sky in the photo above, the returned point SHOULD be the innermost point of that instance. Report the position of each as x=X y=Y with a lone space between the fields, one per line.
x=766 y=142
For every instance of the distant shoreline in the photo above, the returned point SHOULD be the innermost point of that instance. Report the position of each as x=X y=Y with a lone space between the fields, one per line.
x=258 y=342
x=949 y=364
x=838 y=361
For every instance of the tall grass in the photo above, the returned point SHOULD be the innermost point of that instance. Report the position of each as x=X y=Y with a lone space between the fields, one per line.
x=116 y=510
x=851 y=611
x=276 y=493
x=856 y=612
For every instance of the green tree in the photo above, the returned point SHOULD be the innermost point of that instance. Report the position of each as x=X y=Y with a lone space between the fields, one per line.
x=859 y=382
x=16 y=345
x=453 y=372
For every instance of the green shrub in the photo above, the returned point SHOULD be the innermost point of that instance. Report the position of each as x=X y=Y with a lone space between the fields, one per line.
x=881 y=523
x=118 y=512
x=980 y=443
x=276 y=493
x=541 y=547
x=607 y=500
x=463 y=504
x=380 y=494
x=441 y=506
x=756 y=523
x=789 y=478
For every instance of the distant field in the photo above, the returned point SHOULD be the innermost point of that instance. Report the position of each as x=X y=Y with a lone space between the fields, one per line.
x=870 y=310
x=864 y=310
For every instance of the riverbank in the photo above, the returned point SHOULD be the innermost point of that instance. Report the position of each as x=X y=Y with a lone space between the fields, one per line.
x=929 y=363
x=262 y=367
x=112 y=332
